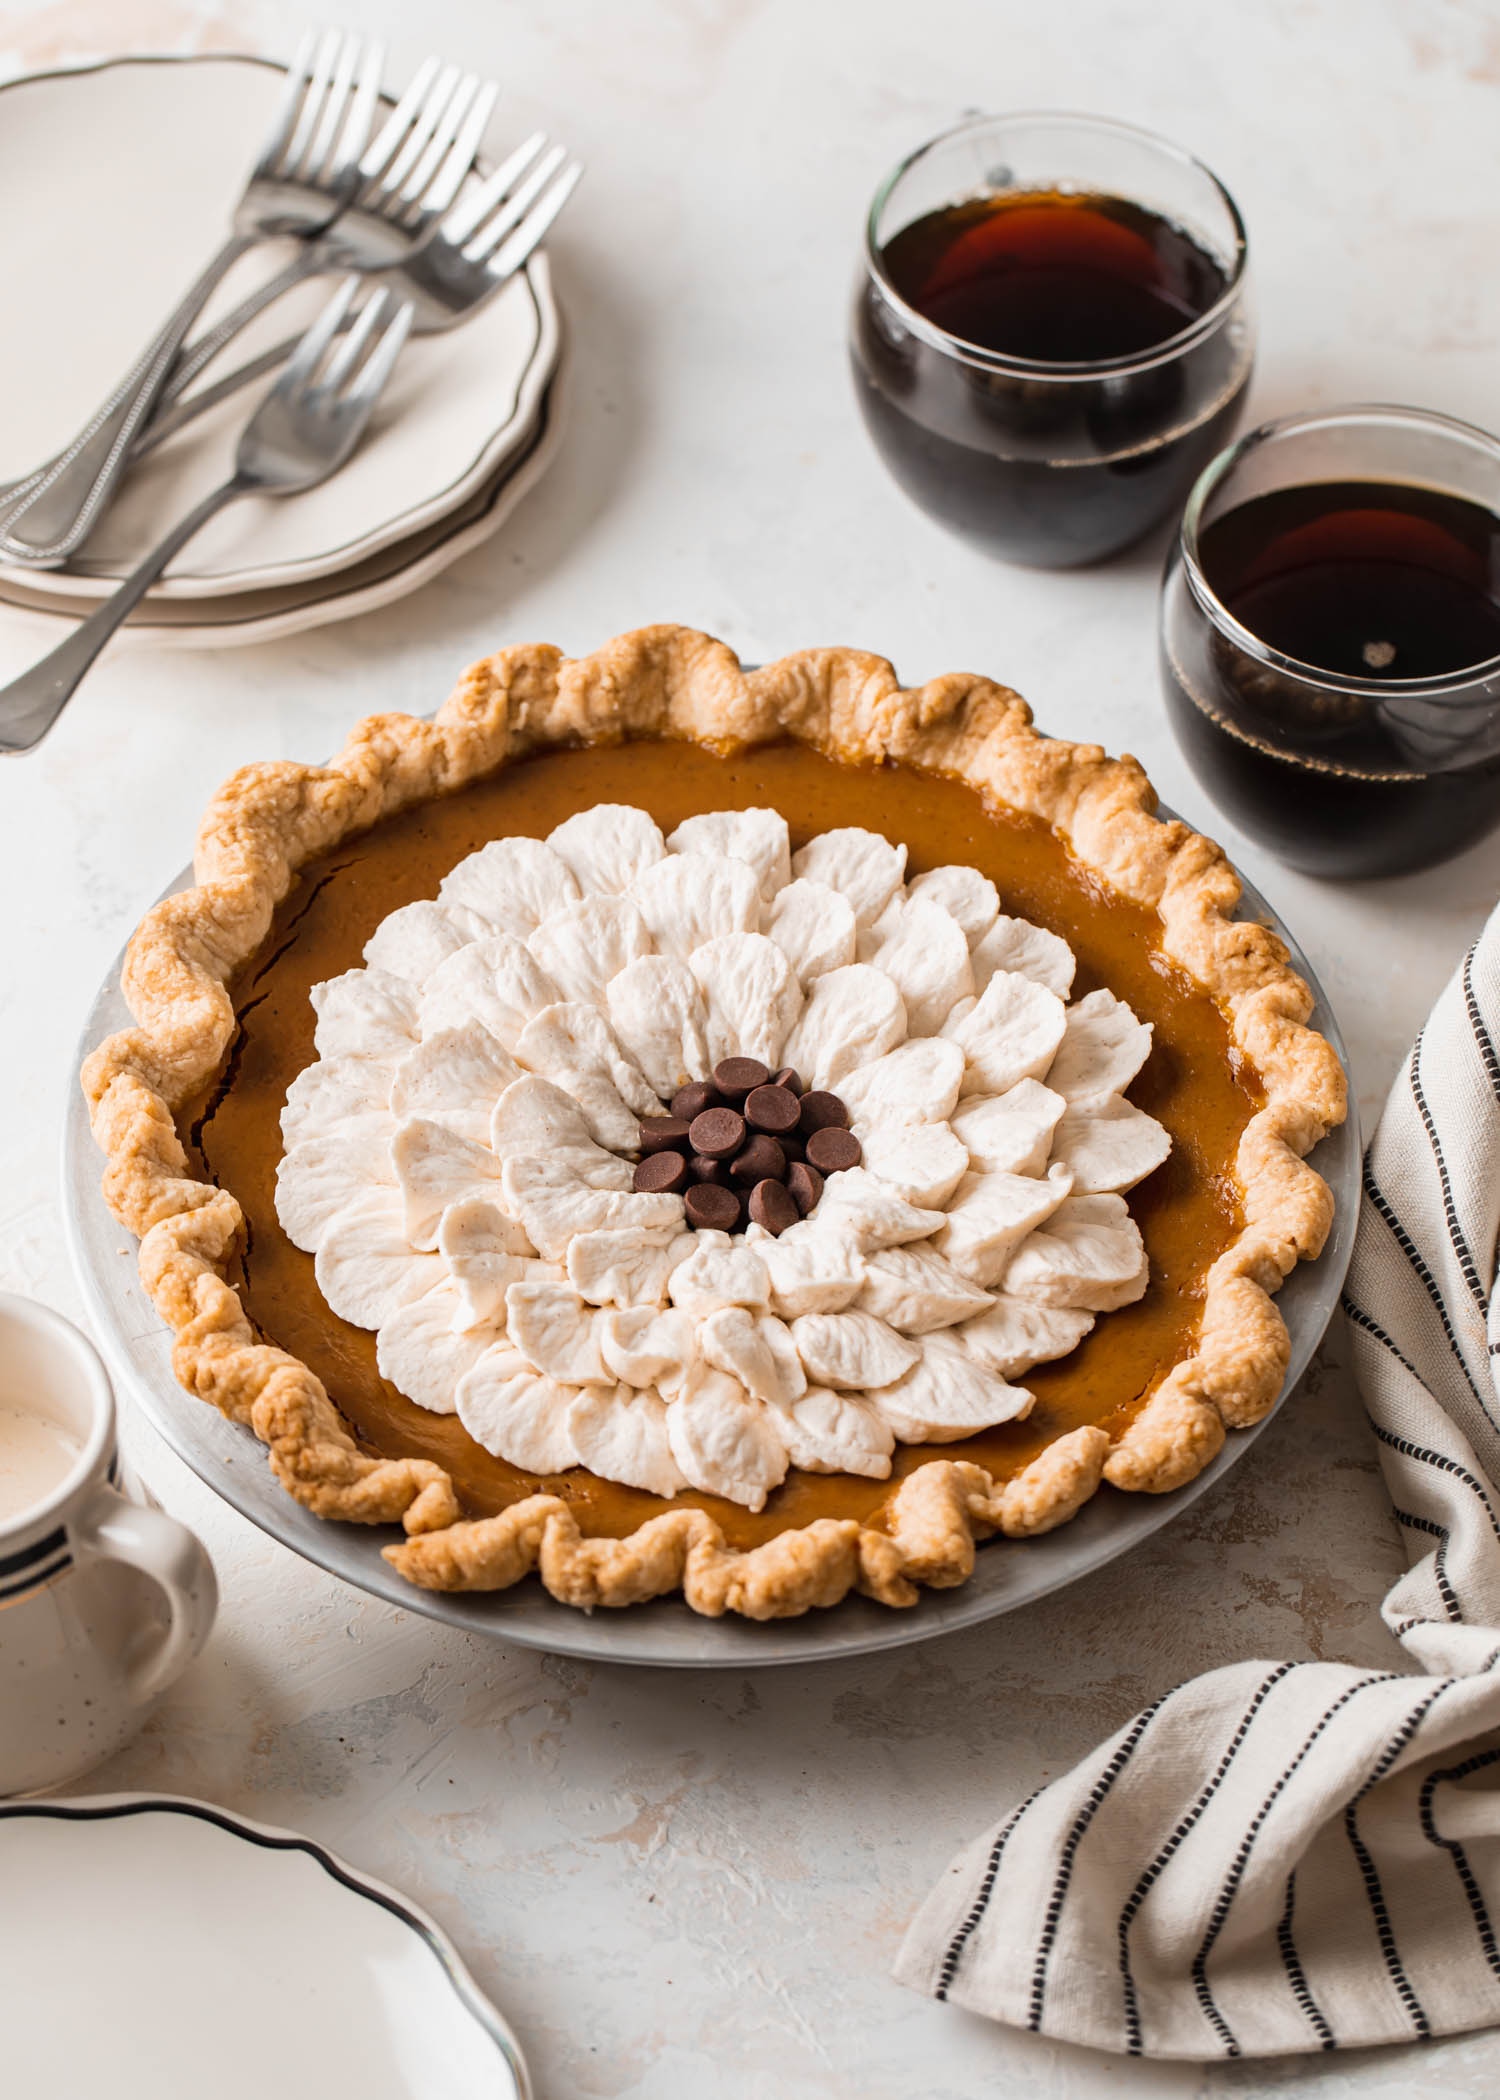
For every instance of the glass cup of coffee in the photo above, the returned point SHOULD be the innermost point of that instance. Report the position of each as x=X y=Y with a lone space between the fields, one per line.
x=1051 y=332
x=1330 y=638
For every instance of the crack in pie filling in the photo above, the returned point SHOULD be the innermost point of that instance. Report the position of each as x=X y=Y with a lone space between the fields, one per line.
x=403 y=1050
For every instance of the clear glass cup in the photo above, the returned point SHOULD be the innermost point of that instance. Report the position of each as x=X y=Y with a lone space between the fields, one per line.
x=1058 y=460
x=1339 y=774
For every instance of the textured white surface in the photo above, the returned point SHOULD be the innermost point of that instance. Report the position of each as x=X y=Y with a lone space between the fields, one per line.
x=679 y=1885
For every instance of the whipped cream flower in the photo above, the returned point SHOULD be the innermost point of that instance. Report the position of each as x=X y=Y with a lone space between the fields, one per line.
x=460 y=1158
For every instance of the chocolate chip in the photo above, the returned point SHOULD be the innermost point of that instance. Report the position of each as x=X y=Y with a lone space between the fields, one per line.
x=718 y=1133
x=736 y=1076
x=804 y=1184
x=831 y=1150
x=823 y=1112
x=661 y=1174
x=771 y=1206
x=761 y=1160
x=772 y=1108
x=793 y=1145
x=787 y=1076
x=715 y=1170
x=692 y=1099
x=663 y=1134
x=714 y=1209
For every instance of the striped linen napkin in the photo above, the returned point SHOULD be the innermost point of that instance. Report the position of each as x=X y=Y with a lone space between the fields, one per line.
x=1290 y=1856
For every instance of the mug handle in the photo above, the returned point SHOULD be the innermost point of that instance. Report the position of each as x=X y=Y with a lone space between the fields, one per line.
x=112 y=1527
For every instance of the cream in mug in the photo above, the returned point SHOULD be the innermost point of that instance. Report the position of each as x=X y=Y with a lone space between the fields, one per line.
x=36 y=1456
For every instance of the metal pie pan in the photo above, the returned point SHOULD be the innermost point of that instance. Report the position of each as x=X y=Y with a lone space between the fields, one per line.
x=665 y=1633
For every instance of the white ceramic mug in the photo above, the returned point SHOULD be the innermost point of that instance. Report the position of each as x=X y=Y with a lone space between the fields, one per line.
x=103 y=1602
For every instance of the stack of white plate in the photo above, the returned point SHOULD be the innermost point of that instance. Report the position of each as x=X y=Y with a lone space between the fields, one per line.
x=122 y=179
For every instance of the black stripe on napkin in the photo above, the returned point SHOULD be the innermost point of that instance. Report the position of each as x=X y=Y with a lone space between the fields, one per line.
x=1385 y=1931
x=1468 y=1881
x=1439 y=1567
x=1102 y=1787
x=1450 y=1210
x=1291 y=1961
x=1408 y=1247
x=1476 y=1022
x=1142 y=1889
x=955 y=1952
x=1241 y=1860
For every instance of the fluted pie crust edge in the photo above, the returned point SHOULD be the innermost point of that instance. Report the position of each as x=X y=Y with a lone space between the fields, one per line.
x=267 y=821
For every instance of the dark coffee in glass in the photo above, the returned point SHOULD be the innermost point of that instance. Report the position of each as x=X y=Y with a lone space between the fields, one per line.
x=1331 y=638
x=1046 y=365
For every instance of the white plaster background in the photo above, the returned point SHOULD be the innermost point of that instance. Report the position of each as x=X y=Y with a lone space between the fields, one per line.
x=681 y=1884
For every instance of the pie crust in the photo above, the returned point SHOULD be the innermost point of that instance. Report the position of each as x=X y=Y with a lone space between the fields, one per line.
x=671 y=682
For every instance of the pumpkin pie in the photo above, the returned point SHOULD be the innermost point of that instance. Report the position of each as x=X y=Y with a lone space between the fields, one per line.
x=763 y=1133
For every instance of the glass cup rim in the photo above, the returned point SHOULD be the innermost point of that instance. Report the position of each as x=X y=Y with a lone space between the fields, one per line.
x=960 y=347
x=1213 y=606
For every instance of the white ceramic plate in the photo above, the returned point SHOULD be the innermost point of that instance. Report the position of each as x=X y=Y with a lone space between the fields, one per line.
x=1008 y=1574
x=270 y=615
x=152 y=1946
x=93 y=266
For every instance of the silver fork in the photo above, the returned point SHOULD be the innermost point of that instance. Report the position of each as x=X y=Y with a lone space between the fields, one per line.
x=406 y=180
x=308 y=171
x=481 y=244
x=303 y=431
x=438 y=128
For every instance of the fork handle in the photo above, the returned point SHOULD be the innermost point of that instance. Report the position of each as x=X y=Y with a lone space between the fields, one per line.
x=312 y=262
x=50 y=513
x=30 y=704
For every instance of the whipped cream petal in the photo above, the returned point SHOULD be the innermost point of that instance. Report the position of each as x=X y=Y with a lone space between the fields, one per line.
x=926 y=957
x=970 y=899
x=436 y=1167
x=1103 y=1047
x=1089 y=1254
x=759 y=837
x=828 y=1432
x=659 y=1014
x=1010 y=1033
x=582 y=946
x=851 y=1350
x=626 y=1268
x=607 y=846
x=496 y=981
x=1026 y=951
x=516 y=1413
x=690 y=898
x=863 y=866
x=922 y=1162
x=1010 y=1133
x=364 y=1013
x=725 y=1442
x=621 y=1434
x=423 y=1355
x=917 y=1082
x=852 y=1016
x=365 y=1266
x=1109 y=1144
x=991 y=1215
x=334 y=1091
x=1013 y=1334
x=751 y=994
x=313 y=1180
x=413 y=941
x=914 y=1290
x=813 y=925
x=512 y=884
x=946 y=1395
x=555 y=1331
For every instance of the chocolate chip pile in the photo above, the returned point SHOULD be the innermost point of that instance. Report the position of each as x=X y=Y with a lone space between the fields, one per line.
x=746 y=1144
